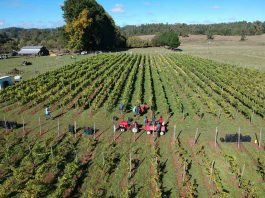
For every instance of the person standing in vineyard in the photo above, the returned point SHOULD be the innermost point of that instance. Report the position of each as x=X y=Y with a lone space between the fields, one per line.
x=145 y=120
x=47 y=113
x=121 y=107
x=160 y=120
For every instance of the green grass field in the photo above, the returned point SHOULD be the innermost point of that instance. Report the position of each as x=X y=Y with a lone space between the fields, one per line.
x=39 y=64
x=223 y=49
x=192 y=94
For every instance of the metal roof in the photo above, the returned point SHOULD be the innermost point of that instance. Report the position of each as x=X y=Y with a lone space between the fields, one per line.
x=32 y=47
x=29 y=51
x=3 y=77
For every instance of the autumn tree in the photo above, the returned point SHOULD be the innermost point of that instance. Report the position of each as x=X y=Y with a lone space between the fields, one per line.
x=97 y=31
x=76 y=30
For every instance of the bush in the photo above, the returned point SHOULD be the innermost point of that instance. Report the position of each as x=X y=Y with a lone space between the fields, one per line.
x=210 y=35
x=137 y=42
x=168 y=38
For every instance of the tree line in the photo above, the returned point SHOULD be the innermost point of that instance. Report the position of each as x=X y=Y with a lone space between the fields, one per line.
x=226 y=29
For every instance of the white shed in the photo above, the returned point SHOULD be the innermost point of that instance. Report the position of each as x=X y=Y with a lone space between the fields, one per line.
x=5 y=81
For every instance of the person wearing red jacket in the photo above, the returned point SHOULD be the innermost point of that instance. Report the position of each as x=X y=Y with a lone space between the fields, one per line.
x=160 y=120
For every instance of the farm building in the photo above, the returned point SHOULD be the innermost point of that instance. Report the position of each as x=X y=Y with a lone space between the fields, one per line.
x=5 y=81
x=34 y=50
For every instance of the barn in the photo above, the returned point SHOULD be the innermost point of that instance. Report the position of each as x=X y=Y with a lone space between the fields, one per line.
x=5 y=81
x=34 y=50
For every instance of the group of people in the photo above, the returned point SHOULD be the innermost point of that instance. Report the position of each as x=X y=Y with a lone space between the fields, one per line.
x=155 y=125
x=137 y=110
x=140 y=109
x=160 y=121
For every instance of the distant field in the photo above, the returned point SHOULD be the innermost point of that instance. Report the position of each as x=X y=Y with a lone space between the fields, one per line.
x=39 y=64
x=224 y=49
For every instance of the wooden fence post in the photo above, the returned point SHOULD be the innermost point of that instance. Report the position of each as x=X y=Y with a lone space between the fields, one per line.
x=103 y=159
x=114 y=132
x=51 y=152
x=40 y=125
x=184 y=171
x=216 y=133
x=211 y=172
x=238 y=138
x=94 y=131
x=23 y=123
x=243 y=170
x=175 y=133
x=58 y=125
x=75 y=128
x=5 y=123
x=260 y=137
x=130 y=173
x=197 y=130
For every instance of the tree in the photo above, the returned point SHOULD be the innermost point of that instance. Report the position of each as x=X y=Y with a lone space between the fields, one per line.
x=167 y=38
x=210 y=35
x=243 y=35
x=76 y=30
x=101 y=33
x=137 y=42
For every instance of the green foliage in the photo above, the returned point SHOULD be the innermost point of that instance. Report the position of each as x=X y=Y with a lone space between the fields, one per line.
x=137 y=42
x=76 y=30
x=209 y=35
x=168 y=38
x=7 y=44
x=252 y=28
x=243 y=35
x=102 y=33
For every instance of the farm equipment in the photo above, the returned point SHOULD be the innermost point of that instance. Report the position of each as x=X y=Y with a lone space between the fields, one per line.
x=26 y=63
x=71 y=128
x=88 y=131
x=235 y=138
x=9 y=125
x=141 y=109
x=155 y=127
x=126 y=125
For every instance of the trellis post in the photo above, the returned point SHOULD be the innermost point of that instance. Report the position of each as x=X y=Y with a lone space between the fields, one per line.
x=103 y=159
x=5 y=123
x=23 y=123
x=75 y=128
x=51 y=152
x=184 y=171
x=211 y=172
x=175 y=133
x=130 y=173
x=216 y=134
x=94 y=131
x=238 y=138
x=197 y=130
x=114 y=132
x=58 y=127
x=243 y=170
x=260 y=133
x=40 y=125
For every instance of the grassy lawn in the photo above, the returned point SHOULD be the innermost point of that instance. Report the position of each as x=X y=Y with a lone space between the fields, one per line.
x=229 y=50
x=223 y=49
x=39 y=64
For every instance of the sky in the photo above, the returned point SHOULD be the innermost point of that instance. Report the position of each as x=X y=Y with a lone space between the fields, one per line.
x=48 y=13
